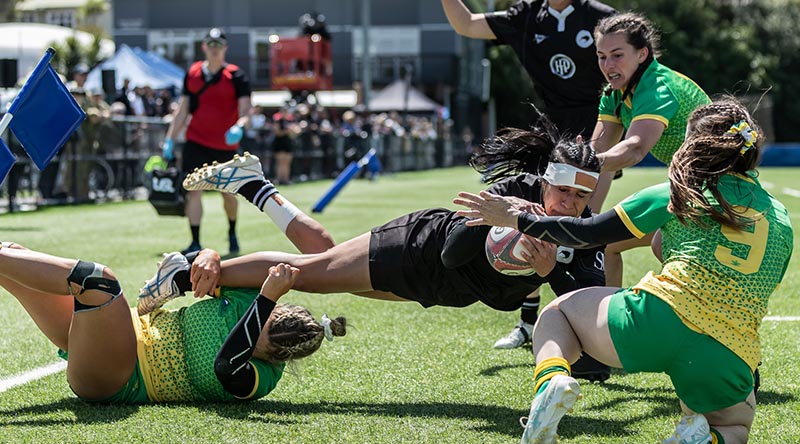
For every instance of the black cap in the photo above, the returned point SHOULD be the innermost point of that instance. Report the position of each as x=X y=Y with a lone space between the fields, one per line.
x=215 y=35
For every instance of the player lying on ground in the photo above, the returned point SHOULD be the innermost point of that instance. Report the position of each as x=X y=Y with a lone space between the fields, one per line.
x=428 y=256
x=222 y=349
x=726 y=244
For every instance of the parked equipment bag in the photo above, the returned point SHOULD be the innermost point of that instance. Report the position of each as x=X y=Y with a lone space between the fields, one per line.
x=166 y=192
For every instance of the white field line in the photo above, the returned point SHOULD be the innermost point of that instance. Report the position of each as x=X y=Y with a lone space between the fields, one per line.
x=787 y=191
x=791 y=192
x=30 y=376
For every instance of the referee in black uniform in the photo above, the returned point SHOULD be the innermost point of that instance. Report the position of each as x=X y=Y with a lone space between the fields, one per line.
x=554 y=42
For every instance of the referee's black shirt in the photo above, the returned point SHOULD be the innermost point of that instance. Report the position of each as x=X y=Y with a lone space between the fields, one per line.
x=558 y=52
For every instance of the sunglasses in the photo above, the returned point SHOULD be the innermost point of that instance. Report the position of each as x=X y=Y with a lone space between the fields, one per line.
x=215 y=44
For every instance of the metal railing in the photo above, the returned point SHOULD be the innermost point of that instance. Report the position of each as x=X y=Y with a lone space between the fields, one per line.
x=110 y=166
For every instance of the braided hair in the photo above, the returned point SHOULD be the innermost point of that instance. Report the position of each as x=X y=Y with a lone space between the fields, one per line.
x=516 y=151
x=710 y=151
x=294 y=333
x=639 y=33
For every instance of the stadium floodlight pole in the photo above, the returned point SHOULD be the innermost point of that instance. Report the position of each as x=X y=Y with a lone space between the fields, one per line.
x=366 y=59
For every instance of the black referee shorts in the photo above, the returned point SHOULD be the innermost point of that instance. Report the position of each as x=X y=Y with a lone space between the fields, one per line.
x=195 y=155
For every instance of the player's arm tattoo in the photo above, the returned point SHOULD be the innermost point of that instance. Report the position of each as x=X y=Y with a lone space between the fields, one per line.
x=575 y=232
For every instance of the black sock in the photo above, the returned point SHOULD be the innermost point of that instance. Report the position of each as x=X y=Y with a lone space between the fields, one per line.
x=195 y=234
x=257 y=191
x=530 y=311
x=231 y=227
x=190 y=257
x=182 y=280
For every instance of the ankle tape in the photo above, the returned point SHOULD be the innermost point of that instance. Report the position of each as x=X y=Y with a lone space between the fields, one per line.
x=89 y=275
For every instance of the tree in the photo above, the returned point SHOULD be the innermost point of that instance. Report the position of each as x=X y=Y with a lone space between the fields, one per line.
x=8 y=10
x=71 y=52
x=775 y=24
x=92 y=9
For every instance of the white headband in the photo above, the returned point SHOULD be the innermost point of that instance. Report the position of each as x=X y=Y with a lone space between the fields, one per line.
x=326 y=325
x=562 y=174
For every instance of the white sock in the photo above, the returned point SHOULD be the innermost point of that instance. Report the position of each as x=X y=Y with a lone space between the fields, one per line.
x=280 y=210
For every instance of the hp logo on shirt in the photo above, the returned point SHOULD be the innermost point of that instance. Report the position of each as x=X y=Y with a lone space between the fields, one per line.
x=562 y=66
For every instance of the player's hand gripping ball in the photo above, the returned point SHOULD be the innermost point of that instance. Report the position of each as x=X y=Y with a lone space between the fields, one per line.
x=504 y=252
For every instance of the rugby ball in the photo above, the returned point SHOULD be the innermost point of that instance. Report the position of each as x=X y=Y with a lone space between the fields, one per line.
x=504 y=252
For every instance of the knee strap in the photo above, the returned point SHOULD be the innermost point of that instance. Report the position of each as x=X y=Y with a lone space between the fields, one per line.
x=89 y=275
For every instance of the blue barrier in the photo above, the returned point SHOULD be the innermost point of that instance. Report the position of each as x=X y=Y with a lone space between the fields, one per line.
x=781 y=154
x=776 y=154
x=345 y=176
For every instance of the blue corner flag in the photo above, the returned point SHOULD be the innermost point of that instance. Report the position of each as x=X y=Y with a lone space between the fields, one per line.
x=44 y=114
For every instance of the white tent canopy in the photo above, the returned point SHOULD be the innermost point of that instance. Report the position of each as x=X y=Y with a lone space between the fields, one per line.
x=399 y=96
x=27 y=42
x=138 y=67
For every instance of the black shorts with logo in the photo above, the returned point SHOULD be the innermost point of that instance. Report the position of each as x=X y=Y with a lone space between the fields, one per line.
x=195 y=155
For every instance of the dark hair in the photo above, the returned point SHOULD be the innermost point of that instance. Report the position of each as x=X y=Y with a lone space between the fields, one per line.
x=709 y=152
x=516 y=151
x=639 y=33
x=294 y=333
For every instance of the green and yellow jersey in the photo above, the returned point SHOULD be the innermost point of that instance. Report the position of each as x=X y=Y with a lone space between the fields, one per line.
x=176 y=349
x=661 y=94
x=717 y=279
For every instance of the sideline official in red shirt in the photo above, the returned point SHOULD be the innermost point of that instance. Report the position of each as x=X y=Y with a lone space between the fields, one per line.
x=214 y=108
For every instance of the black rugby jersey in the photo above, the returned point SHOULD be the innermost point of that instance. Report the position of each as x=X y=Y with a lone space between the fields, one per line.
x=575 y=268
x=556 y=48
x=437 y=260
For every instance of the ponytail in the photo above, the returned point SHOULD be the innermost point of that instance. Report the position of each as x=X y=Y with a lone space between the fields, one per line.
x=513 y=151
x=722 y=138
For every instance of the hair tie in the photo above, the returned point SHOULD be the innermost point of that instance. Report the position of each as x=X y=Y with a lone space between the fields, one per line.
x=326 y=326
x=748 y=134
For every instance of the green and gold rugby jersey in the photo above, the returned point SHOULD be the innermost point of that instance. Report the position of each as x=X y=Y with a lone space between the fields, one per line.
x=177 y=349
x=717 y=279
x=661 y=94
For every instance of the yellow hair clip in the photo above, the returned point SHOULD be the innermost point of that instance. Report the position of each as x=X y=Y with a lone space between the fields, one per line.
x=748 y=134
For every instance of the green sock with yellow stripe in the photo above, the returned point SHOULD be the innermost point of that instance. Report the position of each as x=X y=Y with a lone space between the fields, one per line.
x=546 y=370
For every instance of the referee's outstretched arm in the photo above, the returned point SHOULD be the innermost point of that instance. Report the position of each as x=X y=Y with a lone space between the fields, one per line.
x=465 y=23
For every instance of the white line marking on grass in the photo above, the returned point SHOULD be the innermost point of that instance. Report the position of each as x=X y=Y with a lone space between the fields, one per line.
x=787 y=191
x=791 y=192
x=782 y=318
x=32 y=375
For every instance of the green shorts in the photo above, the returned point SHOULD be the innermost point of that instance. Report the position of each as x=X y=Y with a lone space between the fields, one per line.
x=134 y=391
x=650 y=337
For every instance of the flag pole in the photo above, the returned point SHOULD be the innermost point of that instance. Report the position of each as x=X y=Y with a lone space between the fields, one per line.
x=5 y=122
x=38 y=71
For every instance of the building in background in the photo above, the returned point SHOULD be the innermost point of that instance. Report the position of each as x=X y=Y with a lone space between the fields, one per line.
x=403 y=34
x=85 y=15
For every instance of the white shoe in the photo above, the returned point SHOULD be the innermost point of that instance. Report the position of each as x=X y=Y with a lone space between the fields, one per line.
x=162 y=287
x=548 y=408
x=519 y=336
x=227 y=177
x=692 y=429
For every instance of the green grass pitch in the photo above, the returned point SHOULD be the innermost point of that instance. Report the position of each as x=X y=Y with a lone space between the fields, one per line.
x=402 y=374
